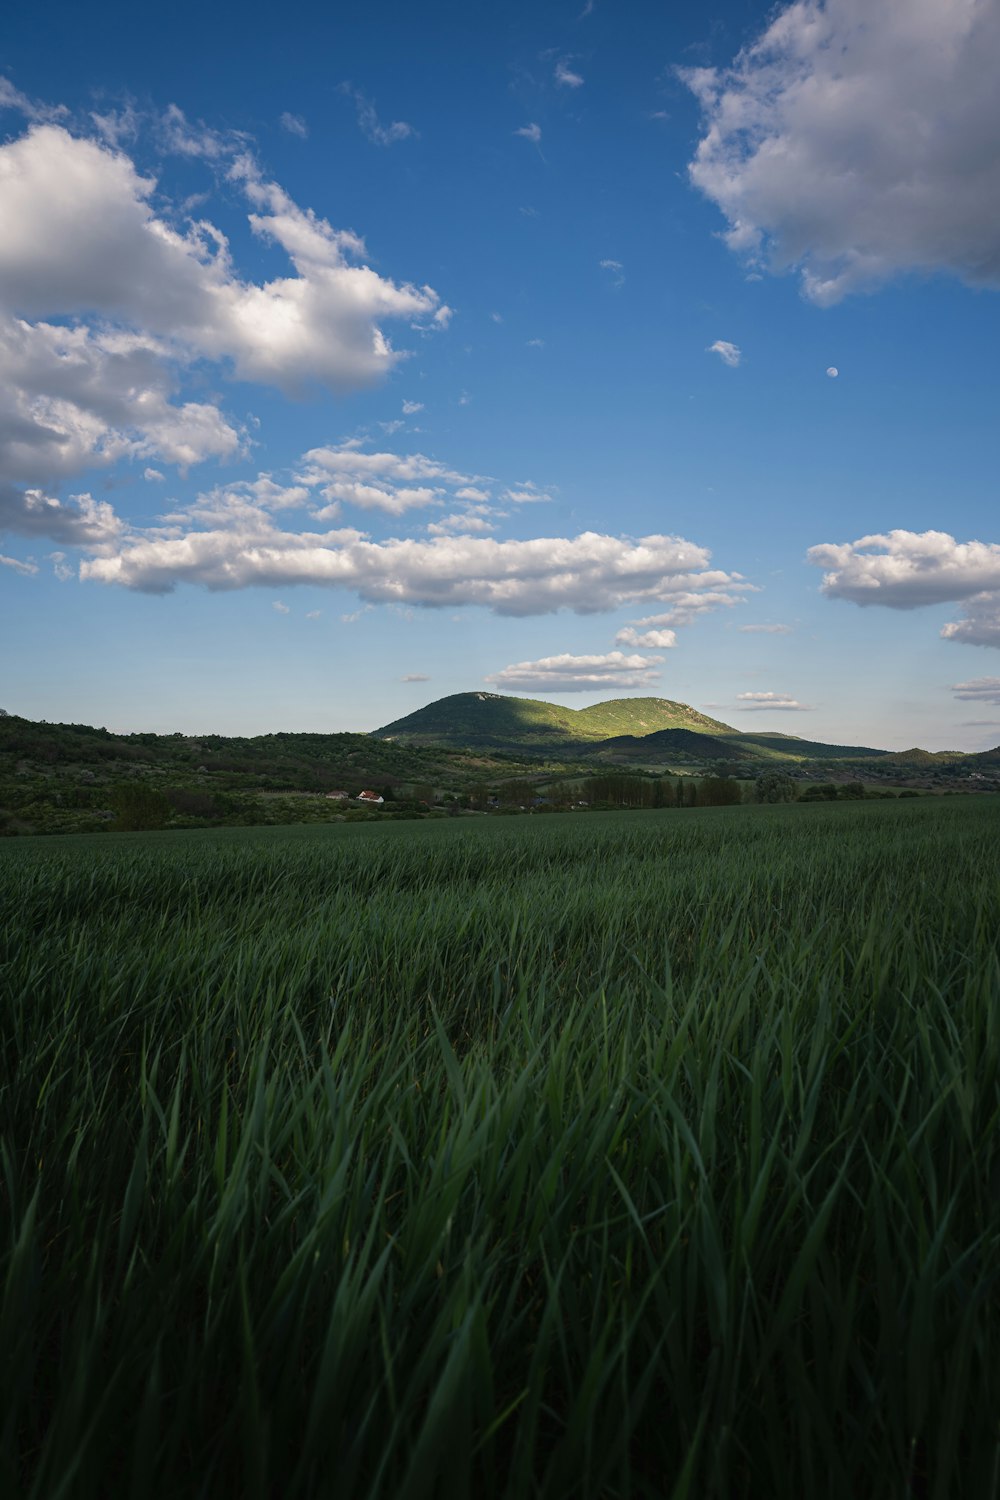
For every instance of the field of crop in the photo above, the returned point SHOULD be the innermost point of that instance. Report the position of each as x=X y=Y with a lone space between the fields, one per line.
x=593 y=1156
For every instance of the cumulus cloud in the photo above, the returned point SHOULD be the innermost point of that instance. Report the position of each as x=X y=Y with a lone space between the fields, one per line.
x=730 y=354
x=579 y=674
x=530 y=132
x=908 y=570
x=749 y=701
x=589 y=573
x=854 y=142
x=389 y=482
x=654 y=640
x=410 y=408
x=106 y=307
x=295 y=125
x=371 y=125
x=979 y=690
x=80 y=521
x=79 y=235
x=281 y=609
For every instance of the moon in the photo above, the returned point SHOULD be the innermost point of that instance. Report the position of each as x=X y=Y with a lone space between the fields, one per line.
x=833 y=372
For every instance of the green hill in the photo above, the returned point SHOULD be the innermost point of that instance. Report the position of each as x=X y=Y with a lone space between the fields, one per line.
x=499 y=722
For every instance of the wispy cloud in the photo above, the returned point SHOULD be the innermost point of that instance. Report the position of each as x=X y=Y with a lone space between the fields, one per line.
x=765 y=629
x=978 y=690
x=617 y=271
x=25 y=568
x=531 y=133
x=295 y=125
x=566 y=77
x=579 y=674
x=410 y=408
x=730 y=354
x=371 y=125
x=415 y=677
x=279 y=608
x=749 y=701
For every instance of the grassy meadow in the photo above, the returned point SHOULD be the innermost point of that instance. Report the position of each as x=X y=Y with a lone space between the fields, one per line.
x=590 y=1156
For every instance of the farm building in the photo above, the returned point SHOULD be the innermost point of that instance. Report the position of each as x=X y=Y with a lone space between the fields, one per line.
x=339 y=796
x=371 y=798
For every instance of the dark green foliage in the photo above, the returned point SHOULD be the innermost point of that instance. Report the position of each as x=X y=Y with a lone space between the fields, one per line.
x=640 y=1155
x=822 y=791
x=774 y=786
x=719 y=791
x=138 y=808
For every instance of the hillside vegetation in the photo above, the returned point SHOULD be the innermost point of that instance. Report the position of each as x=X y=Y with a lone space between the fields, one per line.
x=494 y=719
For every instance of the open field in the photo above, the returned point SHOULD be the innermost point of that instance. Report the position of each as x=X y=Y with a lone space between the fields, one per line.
x=638 y=1155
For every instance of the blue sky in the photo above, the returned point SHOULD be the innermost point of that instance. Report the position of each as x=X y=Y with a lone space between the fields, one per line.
x=354 y=356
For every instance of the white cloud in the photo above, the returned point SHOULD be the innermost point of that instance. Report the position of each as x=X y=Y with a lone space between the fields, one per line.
x=527 y=493
x=530 y=132
x=394 y=502
x=462 y=523
x=654 y=640
x=979 y=690
x=26 y=568
x=765 y=629
x=565 y=76
x=415 y=677
x=410 y=408
x=497 y=317
x=748 y=701
x=579 y=674
x=908 y=570
x=153 y=476
x=833 y=372
x=588 y=574
x=281 y=609
x=295 y=125
x=617 y=271
x=78 y=234
x=313 y=614
x=856 y=141
x=693 y=596
x=535 y=344
x=729 y=353
x=371 y=125
x=106 y=307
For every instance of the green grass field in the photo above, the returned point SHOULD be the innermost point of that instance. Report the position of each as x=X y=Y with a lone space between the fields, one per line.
x=639 y=1155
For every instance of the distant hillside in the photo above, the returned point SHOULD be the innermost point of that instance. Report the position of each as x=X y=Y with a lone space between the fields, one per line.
x=498 y=722
x=799 y=749
x=671 y=744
